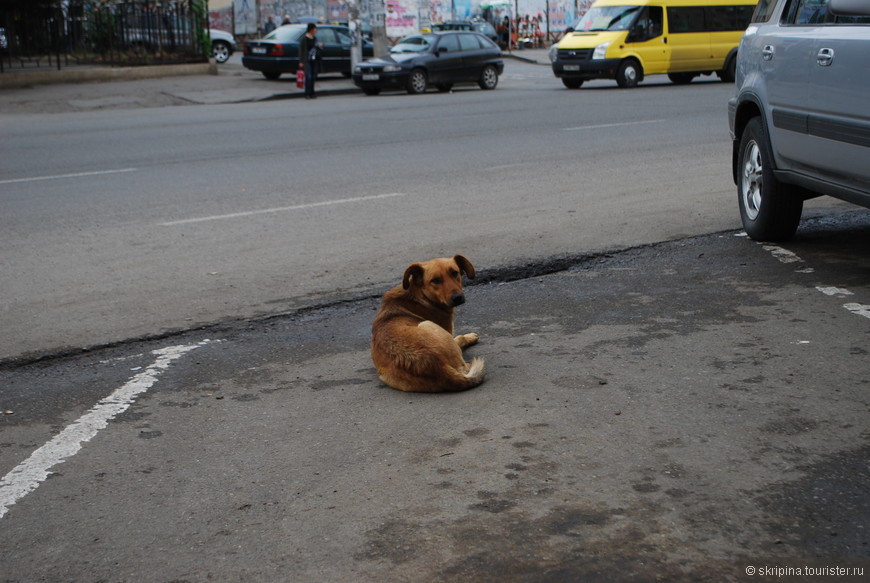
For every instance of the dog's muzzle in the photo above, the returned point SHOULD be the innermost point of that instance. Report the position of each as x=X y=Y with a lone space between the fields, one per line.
x=458 y=299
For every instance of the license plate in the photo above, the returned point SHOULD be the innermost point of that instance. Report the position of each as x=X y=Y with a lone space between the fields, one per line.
x=370 y=77
x=572 y=67
x=258 y=50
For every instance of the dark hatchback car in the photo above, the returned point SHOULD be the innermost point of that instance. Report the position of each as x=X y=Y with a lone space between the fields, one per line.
x=438 y=59
x=278 y=51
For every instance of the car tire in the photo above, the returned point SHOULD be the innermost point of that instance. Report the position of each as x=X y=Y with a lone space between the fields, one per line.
x=769 y=211
x=221 y=51
x=417 y=82
x=488 y=78
x=372 y=90
x=629 y=73
x=271 y=75
x=681 y=78
x=572 y=83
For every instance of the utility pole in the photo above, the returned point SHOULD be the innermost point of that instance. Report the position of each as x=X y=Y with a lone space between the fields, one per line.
x=354 y=14
x=379 y=27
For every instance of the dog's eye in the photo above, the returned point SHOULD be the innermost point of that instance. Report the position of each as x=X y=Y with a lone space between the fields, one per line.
x=437 y=280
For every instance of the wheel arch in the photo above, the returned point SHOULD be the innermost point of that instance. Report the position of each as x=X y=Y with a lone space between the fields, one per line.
x=746 y=110
x=637 y=59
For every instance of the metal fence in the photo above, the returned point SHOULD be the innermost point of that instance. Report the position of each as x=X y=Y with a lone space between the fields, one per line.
x=73 y=32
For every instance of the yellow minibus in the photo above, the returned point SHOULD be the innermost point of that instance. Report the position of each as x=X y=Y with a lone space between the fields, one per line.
x=628 y=39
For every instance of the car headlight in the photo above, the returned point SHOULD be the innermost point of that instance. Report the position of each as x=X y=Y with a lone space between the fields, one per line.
x=392 y=68
x=600 y=51
x=554 y=53
x=357 y=69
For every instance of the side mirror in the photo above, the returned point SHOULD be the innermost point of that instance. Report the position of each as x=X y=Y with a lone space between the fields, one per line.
x=569 y=30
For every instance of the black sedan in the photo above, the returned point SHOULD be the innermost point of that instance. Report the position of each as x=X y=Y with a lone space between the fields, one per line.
x=439 y=59
x=278 y=51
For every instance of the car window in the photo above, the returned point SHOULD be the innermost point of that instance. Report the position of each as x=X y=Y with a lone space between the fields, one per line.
x=468 y=42
x=815 y=12
x=412 y=44
x=343 y=36
x=326 y=36
x=486 y=28
x=286 y=34
x=763 y=11
x=449 y=43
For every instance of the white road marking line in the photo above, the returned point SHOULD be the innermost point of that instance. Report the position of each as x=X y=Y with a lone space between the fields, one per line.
x=787 y=256
x=612 y=125
x=74 y=175
x=29 y=474
x=860 y=309
x=784 y=255
x=281 y=209
x=834 y=291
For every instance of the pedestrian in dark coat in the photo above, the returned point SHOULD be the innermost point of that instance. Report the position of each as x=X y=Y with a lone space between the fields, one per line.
x=309 y=58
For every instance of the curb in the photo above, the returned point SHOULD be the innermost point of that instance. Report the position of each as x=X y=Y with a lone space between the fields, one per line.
x=103 y=74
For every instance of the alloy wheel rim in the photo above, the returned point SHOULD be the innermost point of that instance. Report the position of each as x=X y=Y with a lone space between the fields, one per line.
x=752 y=180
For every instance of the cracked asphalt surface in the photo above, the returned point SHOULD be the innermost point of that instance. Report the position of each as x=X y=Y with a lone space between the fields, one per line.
x=675 y=412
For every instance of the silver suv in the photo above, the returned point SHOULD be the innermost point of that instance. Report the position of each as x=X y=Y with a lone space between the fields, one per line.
x=800 y=122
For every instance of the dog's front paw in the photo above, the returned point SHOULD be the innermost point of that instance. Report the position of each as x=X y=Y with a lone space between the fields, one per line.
x=466 y=340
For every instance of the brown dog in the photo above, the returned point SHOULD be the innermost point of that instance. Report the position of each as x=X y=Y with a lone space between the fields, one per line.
x=413 y=346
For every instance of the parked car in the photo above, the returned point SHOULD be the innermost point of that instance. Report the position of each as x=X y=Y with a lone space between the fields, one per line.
x=438 y=59
x=800 y=122
x=481 y=26
x=278 y=51
x=223 y=45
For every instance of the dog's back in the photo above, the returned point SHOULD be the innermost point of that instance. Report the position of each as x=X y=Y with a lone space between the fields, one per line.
x=413 y=347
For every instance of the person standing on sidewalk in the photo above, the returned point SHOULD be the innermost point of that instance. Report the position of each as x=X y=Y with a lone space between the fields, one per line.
x=309 y=58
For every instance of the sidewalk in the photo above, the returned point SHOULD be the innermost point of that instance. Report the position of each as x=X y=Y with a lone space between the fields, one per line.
x=97 y=88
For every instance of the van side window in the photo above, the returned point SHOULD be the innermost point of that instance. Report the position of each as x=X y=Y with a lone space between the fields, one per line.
x=685 y=19
x=648 y=25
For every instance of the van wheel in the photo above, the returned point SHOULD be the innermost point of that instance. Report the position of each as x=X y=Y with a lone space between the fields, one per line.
x=629 y=73
x=681 y=78
x=728 y=74
x=768 y=209
x=572 y=83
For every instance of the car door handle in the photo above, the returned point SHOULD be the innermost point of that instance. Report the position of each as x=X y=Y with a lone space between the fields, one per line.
x=825 y=57
x=767 y=52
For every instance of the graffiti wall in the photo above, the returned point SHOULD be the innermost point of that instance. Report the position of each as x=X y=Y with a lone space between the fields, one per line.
x=246 y=17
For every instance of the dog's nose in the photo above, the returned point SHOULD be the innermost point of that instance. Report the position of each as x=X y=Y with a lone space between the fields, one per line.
x=458 y=299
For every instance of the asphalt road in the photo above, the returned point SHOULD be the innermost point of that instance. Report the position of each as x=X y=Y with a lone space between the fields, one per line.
x=137 y=222
x=666 y=400
x=681 y=412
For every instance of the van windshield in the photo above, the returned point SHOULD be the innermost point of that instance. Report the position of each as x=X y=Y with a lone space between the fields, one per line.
x=607 y=18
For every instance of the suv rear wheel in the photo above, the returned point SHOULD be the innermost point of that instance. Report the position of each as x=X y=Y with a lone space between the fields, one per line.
x=768 y=211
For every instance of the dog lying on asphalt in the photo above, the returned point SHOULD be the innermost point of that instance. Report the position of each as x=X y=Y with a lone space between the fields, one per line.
x=413 y=347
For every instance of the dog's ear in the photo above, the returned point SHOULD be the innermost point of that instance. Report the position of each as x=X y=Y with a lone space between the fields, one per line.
x=464 y=265
x=414 y=271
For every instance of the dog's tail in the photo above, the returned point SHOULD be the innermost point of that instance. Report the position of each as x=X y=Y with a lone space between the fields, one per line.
x=471 y=378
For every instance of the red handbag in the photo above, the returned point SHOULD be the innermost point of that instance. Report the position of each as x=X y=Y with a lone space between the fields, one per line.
x=300 y=79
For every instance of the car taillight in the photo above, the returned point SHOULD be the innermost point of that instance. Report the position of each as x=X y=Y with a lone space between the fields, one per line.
x=278 y=50
x=246 y=50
